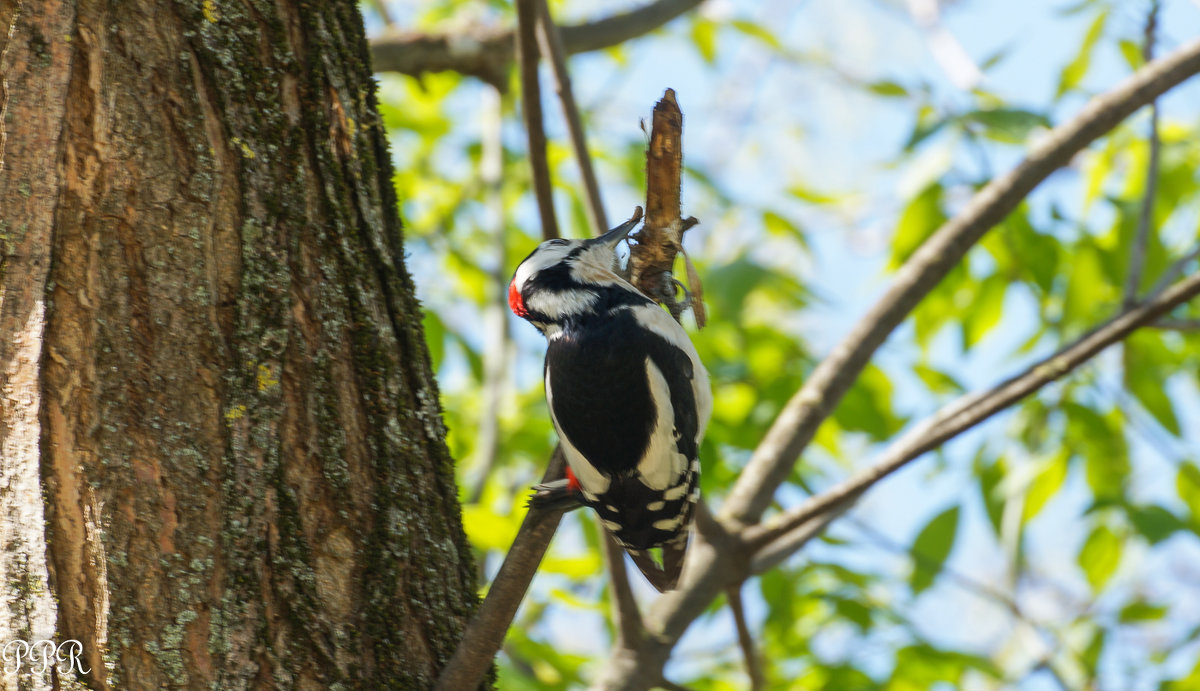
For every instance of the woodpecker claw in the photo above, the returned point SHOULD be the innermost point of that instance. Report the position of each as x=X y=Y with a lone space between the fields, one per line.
x=555 y=495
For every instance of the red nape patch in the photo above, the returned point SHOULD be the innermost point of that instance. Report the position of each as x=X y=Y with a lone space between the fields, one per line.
x=515 y=302
x=572 y=481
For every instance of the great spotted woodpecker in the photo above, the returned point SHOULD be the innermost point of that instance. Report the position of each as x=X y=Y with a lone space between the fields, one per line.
x=628 y=395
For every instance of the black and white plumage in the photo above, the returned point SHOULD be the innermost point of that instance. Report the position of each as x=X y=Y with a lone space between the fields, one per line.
x=627 y=392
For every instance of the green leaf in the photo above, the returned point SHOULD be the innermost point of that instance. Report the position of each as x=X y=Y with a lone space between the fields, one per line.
x=1101 y=441
x=1144 y=375
x=1008 y=125
x=435 y=337
x=929 y=123
x=985 y=311
x=1187 y=485
x=855 y=612
x=1155 y=523
x=887 y=88
x=920 y=219
x=867 y=406
x=1132 y=53
x=1142 y=611
x=1100 y=556
x=932 y=547
x=1077 y=69
x=758 y=31
x=937 y=381
x=779 y=226
x=1046 y=484
x=991 y=476
x=704 y=35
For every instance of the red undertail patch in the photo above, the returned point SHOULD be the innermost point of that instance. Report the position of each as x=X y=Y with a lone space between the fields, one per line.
x=572 y=481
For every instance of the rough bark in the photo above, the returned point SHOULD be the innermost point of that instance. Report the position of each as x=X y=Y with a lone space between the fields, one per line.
x=231 y=404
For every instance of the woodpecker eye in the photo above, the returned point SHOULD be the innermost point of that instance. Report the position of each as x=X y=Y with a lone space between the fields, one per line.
x=556 y=241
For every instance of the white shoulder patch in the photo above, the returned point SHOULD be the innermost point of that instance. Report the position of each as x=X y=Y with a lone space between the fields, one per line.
x=654 y=473
x=657 y=320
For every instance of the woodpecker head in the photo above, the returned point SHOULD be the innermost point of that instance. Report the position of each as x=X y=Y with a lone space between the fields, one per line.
x=562 y=279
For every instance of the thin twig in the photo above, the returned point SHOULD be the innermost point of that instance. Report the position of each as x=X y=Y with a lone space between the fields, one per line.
x=796 y=425
x=550 y=40
x=487 y=53
x=955 y=418
x=753 y=664
x=531 y=107
x=1175 y=270
x=1187 y=325
x=1137 y=252
x=496 y=344
x=626 y=615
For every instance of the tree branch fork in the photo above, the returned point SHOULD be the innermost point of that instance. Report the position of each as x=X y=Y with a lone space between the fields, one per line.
x=738 y=543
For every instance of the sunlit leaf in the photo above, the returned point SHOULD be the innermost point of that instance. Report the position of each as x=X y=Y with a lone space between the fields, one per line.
x=1187 y=486
x=704 y=37
x=1046 y=484
x=1077 y=69
x=757 y=31
x=1132 y=53
x=1009 y=125
x=920 y=219
x=1144 y=375
x=1100 y=556
x=887 y=88
x=985 y=311
x=932 y=546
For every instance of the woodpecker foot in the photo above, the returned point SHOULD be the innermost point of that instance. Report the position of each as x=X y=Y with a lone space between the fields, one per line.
x=559 y=494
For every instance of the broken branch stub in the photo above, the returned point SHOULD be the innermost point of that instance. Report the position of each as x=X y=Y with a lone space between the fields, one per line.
x=661 y=237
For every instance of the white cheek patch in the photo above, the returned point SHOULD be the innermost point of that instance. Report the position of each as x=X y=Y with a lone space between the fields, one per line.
x=654 y=473
x=595 y=265
x=560 y=302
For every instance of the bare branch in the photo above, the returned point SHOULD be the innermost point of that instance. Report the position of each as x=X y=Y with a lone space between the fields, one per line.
x=531 y=108
x=951 y=421
x=745 y=639
x=628 y=619
x=1137 y=252
x=797 y=423
x=488 y=53
x=550 y=40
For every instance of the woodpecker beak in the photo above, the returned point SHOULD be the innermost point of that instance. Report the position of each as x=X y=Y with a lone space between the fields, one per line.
x=614 y=236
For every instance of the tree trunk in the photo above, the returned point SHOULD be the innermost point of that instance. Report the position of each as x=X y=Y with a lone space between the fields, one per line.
x=221 y=453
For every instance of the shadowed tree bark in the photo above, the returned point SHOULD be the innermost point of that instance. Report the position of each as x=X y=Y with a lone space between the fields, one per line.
x=221 y=453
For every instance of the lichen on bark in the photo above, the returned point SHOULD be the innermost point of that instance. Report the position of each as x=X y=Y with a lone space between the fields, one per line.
x=240 y=446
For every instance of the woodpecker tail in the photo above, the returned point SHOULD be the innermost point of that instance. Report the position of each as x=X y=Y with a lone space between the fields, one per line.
x=666 y=576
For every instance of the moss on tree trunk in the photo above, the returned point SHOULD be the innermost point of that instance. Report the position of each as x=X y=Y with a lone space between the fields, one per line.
x=230 y=404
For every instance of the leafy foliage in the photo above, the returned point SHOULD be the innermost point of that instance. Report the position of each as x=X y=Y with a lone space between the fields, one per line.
x=1034 y=544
